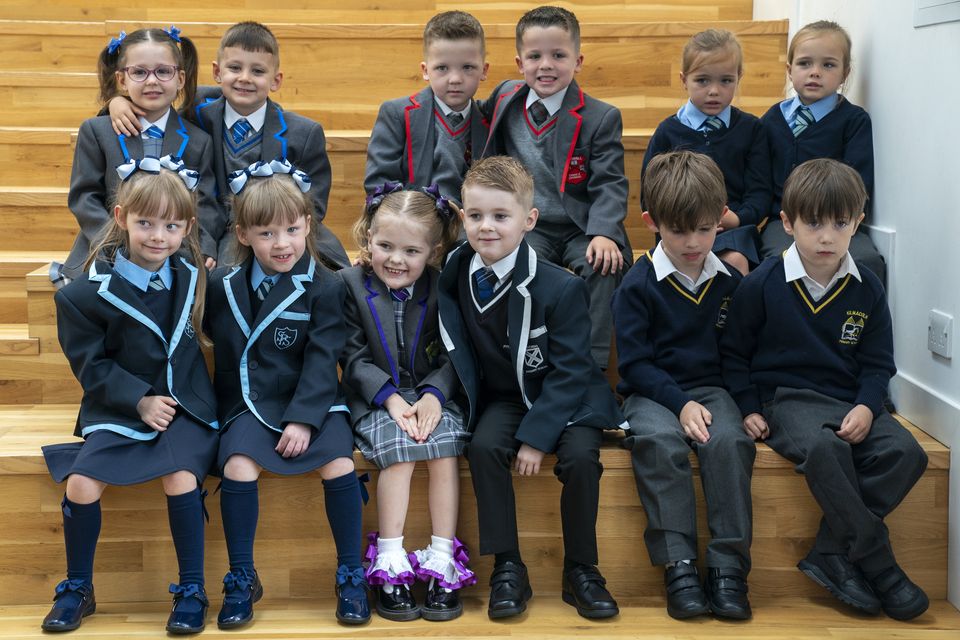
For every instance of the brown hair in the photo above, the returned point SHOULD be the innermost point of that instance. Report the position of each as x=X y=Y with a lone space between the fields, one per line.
x=683 y=190
x=502 y=173
x=268 y=200
x=819 y=28
x=250 y=36
x=549 y=17
x=109 y=64
x=165 y=195
x=453 y=25
x=823 y=190
x=708 y=46
x=443 y=227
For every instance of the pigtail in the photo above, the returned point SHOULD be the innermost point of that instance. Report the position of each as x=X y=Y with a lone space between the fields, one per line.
x=189 y=60
x=192 y=244
x=107 y=63
x=361 y=227
x=448 y=214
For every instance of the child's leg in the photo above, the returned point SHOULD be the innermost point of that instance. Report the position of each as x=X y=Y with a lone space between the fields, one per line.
x=240 y=510
x=185 y=512
x=341 y=492
x=444 y=495
x=393 y=497
x=81 y=525
x=736 y=260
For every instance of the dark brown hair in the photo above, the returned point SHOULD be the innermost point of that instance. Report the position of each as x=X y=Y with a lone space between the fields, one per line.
x=453 y=25
x=109 y=64
x=823 y=190
x=683 y=190
x=549 y=17
x=251 y=36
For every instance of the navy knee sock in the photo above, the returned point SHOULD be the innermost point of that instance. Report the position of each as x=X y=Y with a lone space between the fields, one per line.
x=341 y=496
x=185 y=512
x=240 y=509
x=81 y=528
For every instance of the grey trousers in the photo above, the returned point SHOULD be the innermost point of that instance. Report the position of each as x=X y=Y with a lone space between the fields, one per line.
x=855 y=485
x=661 y=465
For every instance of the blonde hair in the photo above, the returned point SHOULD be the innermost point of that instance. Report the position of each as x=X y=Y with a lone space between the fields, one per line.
x=708 y=46
x=823 y=190
x=683 y=190
x=502 y=173
x=817 y=29
x=165 y=195
x=443 y=227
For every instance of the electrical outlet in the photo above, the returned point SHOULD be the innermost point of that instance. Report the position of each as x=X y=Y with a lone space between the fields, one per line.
x=940 y=333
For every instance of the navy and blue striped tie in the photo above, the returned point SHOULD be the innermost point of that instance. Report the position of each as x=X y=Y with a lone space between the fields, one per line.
x=240 y=129
x=804 y=119
x=154 y=132
x=711 y=124
x=264 y=289
x=485 y=280
x=156 y=284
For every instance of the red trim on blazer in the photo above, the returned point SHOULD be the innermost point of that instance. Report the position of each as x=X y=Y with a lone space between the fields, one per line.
x=549 y=123
x=406 y=125
x=443 y=120
x=573 y=142
x=496 y=107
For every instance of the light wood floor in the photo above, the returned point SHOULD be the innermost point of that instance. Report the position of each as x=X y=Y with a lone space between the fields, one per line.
x=546 y=617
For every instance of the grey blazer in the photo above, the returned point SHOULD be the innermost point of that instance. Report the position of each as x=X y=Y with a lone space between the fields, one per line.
x=369 y=358
x=94 y=181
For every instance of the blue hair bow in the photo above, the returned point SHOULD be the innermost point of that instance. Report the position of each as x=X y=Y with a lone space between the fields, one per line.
x=381 y=192
x=173 y=32
x=153 y=165
x=444 y=206
x=238 y=179
x=114 y=43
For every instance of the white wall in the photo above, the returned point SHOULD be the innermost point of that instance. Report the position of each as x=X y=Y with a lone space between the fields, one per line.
x=906 y=78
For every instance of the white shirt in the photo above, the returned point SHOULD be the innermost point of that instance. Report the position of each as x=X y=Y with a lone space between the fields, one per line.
x=663 y=267
x=553 y=103
x=502 y=268
x=160 y=124
x=446 y=111
x=793 y=269
x=255 y=119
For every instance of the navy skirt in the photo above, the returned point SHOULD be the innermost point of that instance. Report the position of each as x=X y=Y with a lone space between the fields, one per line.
x=249 y=437
x=186 y=445
x=743 y=240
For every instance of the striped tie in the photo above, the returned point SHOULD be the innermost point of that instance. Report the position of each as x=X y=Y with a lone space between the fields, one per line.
x=538 y=111
x=804 y=119
x=265 y=285
x=399 y=297
x=155 y=132
x=156 y=284
x=455 y=119
x=240 y=129
x=486 y=281
x=711 y=124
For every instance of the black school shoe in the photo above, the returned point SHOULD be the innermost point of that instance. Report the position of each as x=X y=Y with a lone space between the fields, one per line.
x=842 y=579
x=73 y=601
x=353 y=606
x=899 y=597
x=441 y=604
x=189 y=614
x=585 y=589
x=509 y=590
x=399 y=605
x=240 y=590
x=726 y=592
x=685 y=597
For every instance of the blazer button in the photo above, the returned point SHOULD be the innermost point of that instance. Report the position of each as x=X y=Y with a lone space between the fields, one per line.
x=253 y=364
x=254 y=395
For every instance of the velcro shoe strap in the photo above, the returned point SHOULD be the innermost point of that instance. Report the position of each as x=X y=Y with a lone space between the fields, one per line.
x=584 y=578
x=683 y=579
x=731 y=583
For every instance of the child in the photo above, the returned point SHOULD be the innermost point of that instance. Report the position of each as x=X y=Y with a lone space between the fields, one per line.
x=517 y=332
x=398 y=378
x=277 y=327
x=571 y=144
x=818 y=122
x=668 y=314
x=432 y=136
x=707 y=123
x=807 y=355
x=153 y=67
x=251 y=127
x=130 y=328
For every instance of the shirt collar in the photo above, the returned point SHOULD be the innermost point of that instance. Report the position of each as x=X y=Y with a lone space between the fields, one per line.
x=502 y=267
x=694 y=118
x=819 y=109
x=255 y=119
x=257 y=275
x=140 y=277
x=663 y=267
x=446 y=111
x=553 y=103
x=161 y=123
x=793 y=270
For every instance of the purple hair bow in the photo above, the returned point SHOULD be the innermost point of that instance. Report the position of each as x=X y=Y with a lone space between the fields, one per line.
x=444 y=209
x=115 y=43
x=381 y=192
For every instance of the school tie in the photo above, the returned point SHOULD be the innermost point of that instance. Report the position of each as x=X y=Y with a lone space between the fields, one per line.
x=711 y=124
x=538 y=111
x=399 y=297
x=156 y=284
x=154 y=132
x=804 y=119
x=485 y=280
x=455 y=119
x=265 y=285
x=152 y=141
x=240 y=129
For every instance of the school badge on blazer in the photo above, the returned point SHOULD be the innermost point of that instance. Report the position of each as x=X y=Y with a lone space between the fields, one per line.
x=722 y=313
x=533 y=359
x=852 y=327
x=284 y=337
x=577 y=171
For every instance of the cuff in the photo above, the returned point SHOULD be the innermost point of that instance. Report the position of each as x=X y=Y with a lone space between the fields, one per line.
x=387 y=390
x=433 y=390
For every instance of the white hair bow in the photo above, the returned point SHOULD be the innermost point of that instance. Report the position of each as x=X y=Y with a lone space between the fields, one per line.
x=260 y=169
x=151 y=164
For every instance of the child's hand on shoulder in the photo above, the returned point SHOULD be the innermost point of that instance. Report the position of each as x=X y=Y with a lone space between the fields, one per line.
x=427 y=412
x=528 y=460
x=294 y=440
x=209 y=263
x=694 y=418
x=125 y=116
x=756 y=427
x=856 y=424
x=604 y=254
x=398 y=408
x=729 y=220
x=157 y=411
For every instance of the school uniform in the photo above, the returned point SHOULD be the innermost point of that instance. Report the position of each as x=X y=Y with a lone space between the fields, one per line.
x=276 y=363
x=375 y=366
x=415 y=143
x=522 y=361
x=284 y=134
x=124 y=343
x=667 y=352
x=94 y=180
x=741 y=151
x=576 y=158
x=804 y=361
x=841 y=131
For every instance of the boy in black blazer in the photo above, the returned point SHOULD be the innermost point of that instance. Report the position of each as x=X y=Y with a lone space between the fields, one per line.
x=516 y=330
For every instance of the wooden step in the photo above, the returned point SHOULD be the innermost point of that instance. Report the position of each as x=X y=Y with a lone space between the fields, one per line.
x=135 y=558
x=16 y=341
x=14 y=265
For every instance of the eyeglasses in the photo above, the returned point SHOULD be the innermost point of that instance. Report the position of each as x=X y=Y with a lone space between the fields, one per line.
x=163 y=73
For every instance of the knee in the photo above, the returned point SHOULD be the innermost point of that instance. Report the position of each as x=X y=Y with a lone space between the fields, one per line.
x=737 y=260
x=336 y=468
x=178 y=483
x=84 y=490
x=241 y=469
x=486 y=451
x=910 y=458
x=578 y=461
x=728 y=446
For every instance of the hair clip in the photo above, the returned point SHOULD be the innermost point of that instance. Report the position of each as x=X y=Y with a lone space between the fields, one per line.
x=444 y=208
x=152 y=164
x=173 y=32
x=381 y=192
x=115 y=43
x=260 y=169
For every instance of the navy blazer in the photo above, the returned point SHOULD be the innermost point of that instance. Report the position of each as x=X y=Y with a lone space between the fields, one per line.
x=281 y=364
x=119 y=354
x=549 y=332
x=368 y=361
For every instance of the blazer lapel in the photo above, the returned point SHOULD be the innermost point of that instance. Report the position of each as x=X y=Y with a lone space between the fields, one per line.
x=421 y=136
x=519 y=311
x=274 y=141
x=116 y=291
x=288 y=289
x=175 y=137
x=237 y=289
x=501 y=108
x=415 y=314
x=210 y=117
x=569 y=122
x=185 y=276
x=381 y=309
x=479 y=130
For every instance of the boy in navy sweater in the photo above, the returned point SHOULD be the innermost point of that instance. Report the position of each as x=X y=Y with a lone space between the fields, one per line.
x=668 y=315
x=807 y=355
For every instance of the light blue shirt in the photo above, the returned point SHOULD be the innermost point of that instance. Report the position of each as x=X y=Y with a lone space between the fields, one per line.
x=257 y=276
x=694 y=118
x=819 y=109
x=140 y=277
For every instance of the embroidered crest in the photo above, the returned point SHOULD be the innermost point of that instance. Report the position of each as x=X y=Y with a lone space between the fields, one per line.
x=852 y=328
x=433 y=352
x=722 y=314
x=577 y=171
x=284 y=337
x=533 y=358
x=188 y=330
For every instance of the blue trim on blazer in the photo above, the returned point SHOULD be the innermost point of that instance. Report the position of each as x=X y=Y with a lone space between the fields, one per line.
x=104 y=292
x=183 y=134
x=279 y=134
x=232 y=300
x=121 y=430
x=200 y=106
